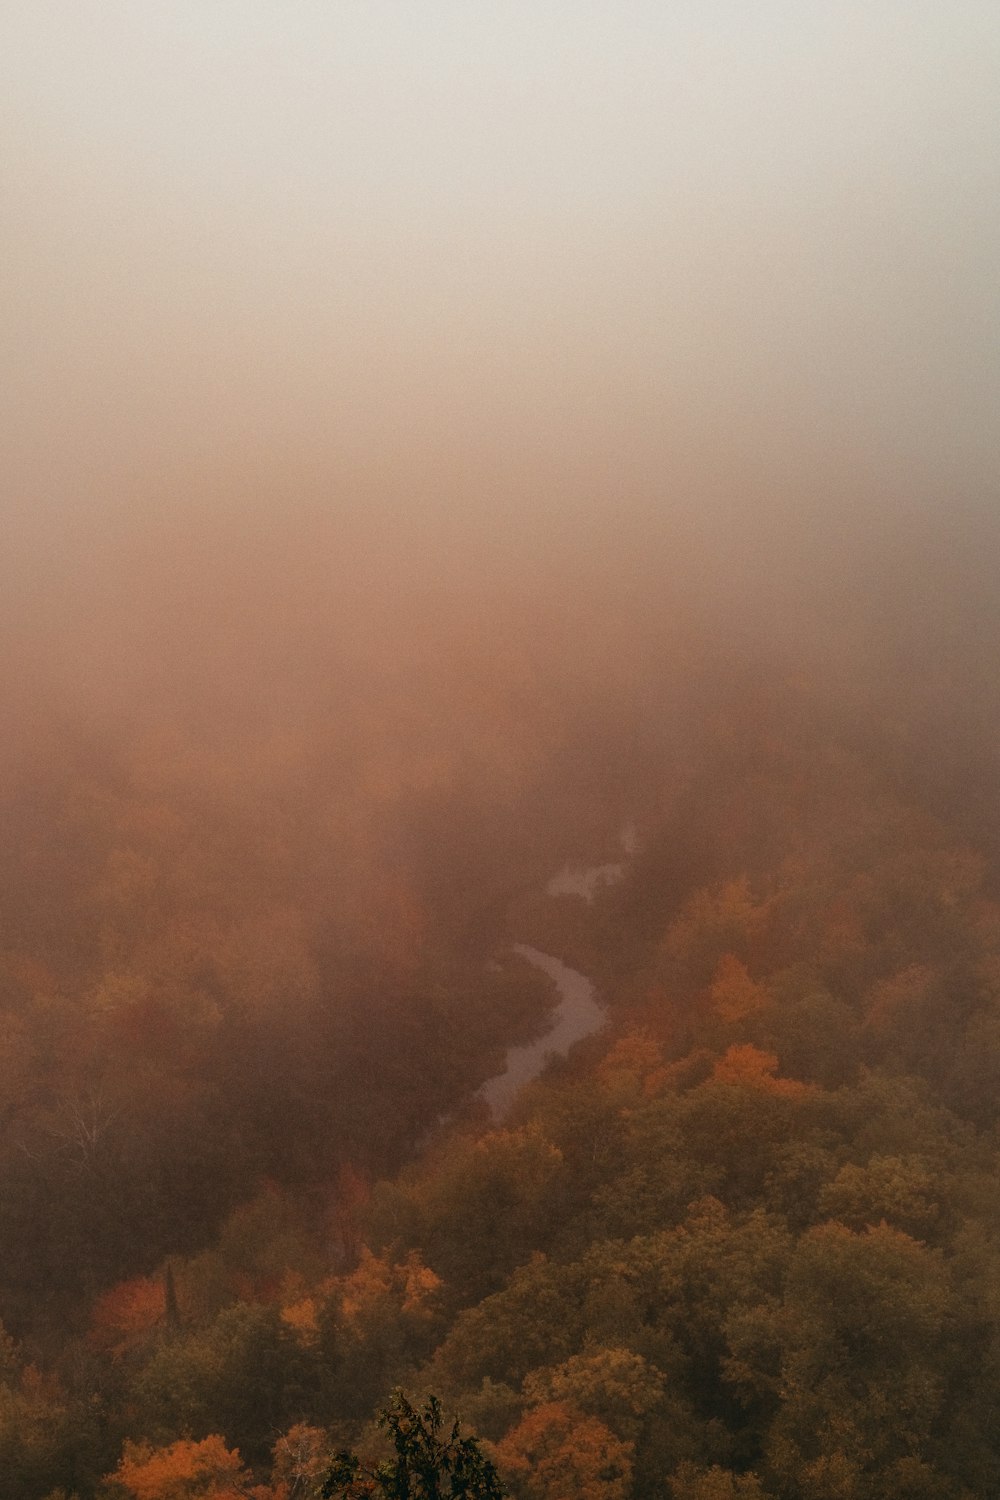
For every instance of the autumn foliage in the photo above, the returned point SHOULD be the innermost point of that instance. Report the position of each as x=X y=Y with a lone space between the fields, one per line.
x=184 y=1469
x=740 y=1245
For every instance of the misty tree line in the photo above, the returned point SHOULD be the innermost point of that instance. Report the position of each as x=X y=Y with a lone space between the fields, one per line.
x=744 y=1245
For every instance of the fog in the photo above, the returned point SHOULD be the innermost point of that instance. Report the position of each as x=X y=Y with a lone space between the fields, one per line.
x=350 y=343
x=497 y=277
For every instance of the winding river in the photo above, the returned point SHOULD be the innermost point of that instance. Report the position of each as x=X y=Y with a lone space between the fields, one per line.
x=577 y=1015
x=578 y=1012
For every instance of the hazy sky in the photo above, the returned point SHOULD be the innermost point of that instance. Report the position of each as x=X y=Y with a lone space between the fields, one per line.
x=490 y=258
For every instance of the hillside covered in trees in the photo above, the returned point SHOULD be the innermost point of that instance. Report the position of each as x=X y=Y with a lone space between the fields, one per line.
x=258 y=957
x=449 y=450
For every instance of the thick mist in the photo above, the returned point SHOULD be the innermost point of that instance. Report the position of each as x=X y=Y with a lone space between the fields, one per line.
x=500 y=280
x=430 y=388
x=407 y=394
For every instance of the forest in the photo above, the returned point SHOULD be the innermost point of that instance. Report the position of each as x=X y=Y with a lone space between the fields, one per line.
x=259 y=957
x=499 y=526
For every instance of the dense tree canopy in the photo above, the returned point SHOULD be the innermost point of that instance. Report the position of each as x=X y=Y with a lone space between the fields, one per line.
x=744 y=1244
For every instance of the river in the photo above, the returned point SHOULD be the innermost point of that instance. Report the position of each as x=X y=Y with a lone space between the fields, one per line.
x=578 y=1013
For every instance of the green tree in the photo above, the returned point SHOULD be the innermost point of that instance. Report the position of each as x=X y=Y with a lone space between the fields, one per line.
x=431 y=1462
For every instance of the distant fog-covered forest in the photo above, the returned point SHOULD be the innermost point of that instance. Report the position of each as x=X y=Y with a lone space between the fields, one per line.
x=262 y=887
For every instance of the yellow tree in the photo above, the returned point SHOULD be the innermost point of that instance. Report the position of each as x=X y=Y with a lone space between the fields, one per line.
x=207 y=1470
x=557 y=1453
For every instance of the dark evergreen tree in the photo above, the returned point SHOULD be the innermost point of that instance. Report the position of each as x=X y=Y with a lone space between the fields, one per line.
x=431 y=1462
